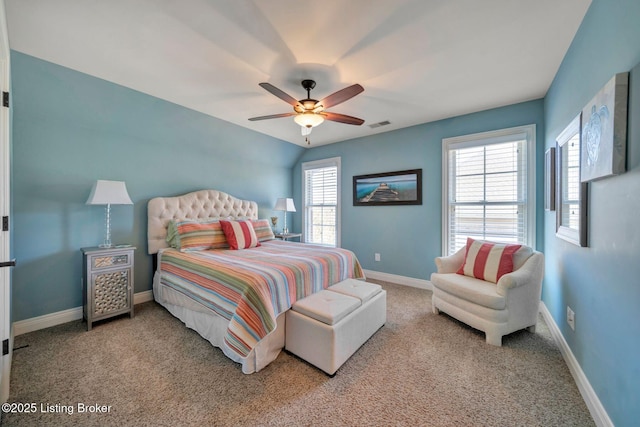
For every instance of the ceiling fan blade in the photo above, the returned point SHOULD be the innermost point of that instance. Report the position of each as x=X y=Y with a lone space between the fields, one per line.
x=342 y=118
x=280 y=94
x=272 y=116
x=340 y=96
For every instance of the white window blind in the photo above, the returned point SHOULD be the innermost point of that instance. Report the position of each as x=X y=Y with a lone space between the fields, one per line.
x=489 y=188
x=321 y=195
x=570 y=192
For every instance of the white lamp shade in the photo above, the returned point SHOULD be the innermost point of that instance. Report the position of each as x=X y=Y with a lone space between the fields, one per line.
x=109 y=193
x=308 y=119
x=286 y=205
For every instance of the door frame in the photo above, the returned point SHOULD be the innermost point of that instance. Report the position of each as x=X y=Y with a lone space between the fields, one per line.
x=6 y=330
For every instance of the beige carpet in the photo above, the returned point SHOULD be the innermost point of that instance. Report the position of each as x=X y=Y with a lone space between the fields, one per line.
x=420 y=369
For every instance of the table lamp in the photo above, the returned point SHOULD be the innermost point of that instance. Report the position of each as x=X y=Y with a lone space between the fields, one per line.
x=285 y=205
x=108 y=193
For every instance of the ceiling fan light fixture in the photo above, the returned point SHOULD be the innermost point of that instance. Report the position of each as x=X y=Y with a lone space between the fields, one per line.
x=308 y=112
x=308 y=119
x=309 y=104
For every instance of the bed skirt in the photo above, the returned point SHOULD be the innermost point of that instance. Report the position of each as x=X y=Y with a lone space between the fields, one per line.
x=213 y=327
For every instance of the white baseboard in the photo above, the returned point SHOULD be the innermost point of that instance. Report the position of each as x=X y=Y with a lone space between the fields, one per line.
x=599 y=414
x=144 y=296
x=64 y=316
x=47 y=320
x=401 y=280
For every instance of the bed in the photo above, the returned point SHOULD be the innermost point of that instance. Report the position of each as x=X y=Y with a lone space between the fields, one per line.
x=236 y=299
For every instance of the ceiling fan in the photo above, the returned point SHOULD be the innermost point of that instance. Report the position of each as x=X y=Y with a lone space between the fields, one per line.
x=309 y=112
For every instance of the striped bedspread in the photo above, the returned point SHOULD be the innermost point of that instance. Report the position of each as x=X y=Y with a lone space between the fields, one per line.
x=252 y=287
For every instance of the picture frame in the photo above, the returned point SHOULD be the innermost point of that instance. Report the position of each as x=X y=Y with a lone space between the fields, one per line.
x=604 y=131
x=388 y=188
x=571 y=194
x=550 y=179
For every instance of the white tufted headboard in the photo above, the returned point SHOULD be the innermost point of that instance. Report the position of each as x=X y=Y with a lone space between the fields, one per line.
x=197 y=205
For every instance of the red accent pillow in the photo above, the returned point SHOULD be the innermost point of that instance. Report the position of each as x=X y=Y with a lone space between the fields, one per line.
x=239 y=234
x=487 y=260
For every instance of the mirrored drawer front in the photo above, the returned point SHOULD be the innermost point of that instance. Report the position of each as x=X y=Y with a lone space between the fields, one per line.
x=111 y=291
x=110 y=261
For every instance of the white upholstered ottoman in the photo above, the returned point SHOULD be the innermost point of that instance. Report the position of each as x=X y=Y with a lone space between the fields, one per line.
x=328 y=327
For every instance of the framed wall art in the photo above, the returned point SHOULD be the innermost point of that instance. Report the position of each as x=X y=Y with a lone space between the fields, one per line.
x=388 y=188
x=604 y=131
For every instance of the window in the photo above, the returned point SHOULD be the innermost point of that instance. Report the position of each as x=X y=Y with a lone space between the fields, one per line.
x=571 y=213
x=321 y=195
x=489 y=188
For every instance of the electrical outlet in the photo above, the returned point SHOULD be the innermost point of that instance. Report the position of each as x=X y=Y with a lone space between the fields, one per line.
x=571 y=318
x=377 y=257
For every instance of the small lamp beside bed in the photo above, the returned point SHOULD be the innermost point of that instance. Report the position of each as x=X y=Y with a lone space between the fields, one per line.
x=285 y=205
x=108 y=193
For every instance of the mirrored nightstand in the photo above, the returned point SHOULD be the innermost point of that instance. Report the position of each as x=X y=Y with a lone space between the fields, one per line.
x=107 y=287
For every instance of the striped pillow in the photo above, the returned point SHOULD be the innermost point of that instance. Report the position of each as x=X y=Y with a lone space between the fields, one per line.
x=487 y=260
x=240 y=234
x=263 y=230
x=190 y=235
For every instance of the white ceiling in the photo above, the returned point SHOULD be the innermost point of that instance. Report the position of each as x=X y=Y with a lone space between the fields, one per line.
x=418 y=60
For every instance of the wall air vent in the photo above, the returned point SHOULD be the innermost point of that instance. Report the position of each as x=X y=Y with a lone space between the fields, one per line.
x=377 y=125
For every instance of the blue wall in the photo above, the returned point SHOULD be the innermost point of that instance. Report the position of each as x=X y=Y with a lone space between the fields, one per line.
x=70 y=129
x=601 y=283
x=408 y=238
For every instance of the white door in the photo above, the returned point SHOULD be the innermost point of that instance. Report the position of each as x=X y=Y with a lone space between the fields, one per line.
x=5 y=255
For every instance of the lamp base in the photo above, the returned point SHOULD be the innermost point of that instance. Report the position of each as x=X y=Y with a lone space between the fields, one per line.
x=106 y=243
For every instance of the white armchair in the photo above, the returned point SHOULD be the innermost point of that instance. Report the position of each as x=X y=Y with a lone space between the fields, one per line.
x=497 y=309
